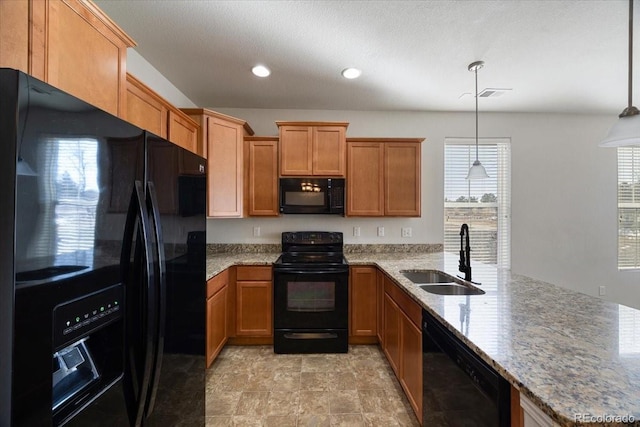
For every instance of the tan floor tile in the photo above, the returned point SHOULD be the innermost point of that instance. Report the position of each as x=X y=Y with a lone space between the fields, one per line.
x=381 y=420
x=314 y=420
x=283 y=403
x=252 y=386
x=345 y=402
x=222 y=403
x=314 y=402
x=284 y=380
x=225 y=421
x=280 y=421
x=252 y=403
x=347 y=420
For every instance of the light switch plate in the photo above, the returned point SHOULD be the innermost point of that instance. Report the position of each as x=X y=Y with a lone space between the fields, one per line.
x=256 y=231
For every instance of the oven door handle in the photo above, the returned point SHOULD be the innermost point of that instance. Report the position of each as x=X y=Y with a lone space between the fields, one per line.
x=312 y=271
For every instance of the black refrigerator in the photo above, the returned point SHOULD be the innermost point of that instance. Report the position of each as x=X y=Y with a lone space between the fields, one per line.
x=102 y=267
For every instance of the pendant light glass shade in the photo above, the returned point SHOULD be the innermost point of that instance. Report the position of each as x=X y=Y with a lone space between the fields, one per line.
x=477 y=171
x=626 y=131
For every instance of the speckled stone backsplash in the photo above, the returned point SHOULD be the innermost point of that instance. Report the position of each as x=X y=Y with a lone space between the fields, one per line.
x=242 y=248
x=426 y=248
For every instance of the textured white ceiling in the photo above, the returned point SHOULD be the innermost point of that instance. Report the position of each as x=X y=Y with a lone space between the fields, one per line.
x=556 y=55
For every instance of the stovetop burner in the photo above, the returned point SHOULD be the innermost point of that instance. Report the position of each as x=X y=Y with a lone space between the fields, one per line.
x=311 y=249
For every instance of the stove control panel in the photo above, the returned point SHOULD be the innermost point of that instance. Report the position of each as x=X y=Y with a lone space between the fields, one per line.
x=312 y=237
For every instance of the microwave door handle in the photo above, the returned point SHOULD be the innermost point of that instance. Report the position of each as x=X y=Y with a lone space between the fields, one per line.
x=160 y=284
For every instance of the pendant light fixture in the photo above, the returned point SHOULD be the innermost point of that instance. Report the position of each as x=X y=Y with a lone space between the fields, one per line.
x=476 y=171
x=627 y=130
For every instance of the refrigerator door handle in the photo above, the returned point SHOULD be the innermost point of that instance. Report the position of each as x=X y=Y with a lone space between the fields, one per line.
x=152 y=206
x=137 y=393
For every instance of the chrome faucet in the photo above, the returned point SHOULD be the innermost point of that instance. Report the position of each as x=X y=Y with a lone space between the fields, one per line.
x=465 y=253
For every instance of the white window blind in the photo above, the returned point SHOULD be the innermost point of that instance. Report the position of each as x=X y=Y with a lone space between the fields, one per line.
x=628 y=207
x=485 y=205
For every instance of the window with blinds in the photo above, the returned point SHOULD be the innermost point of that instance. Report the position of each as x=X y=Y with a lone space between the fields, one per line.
x=485 y=205
x=628 y=207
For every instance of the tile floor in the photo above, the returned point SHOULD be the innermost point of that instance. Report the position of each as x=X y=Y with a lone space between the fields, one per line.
x=252 y=386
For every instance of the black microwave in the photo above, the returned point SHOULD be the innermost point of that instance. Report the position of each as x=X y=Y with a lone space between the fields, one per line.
x=312 y=196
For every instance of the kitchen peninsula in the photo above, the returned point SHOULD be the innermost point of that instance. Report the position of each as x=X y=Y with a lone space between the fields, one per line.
x=564 y=351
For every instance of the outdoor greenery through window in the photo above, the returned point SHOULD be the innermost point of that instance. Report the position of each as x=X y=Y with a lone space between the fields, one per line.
x=628 y=207
x=483 y=204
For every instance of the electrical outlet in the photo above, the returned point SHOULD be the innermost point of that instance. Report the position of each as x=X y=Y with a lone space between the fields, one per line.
x=256 y=231
x=406 y=231
x=356 y=231
x=602 y=290
x=380 y=231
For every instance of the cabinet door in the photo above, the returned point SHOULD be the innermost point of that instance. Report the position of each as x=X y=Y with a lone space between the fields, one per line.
x=363 y=301
x=183 y=131
x=263 y=178
x=380 y=306
x=224 y=176
x=216 y=324
x=392 y=333
x=145 y=109
x=14 y=35
x=411 y=362
x=329 y=145
x=365 y=179
x=296 y=145
x=253 y=309
x=402 y=179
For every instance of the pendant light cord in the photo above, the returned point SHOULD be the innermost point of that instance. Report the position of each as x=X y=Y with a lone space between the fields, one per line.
x=476 y=73
x=630 y=52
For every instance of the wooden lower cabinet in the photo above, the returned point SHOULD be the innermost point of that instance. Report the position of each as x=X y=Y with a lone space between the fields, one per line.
x=254 y=302
x=403 y=342
x=362 y=305
x=391 y=334
x=217 y=297
x=380 y=306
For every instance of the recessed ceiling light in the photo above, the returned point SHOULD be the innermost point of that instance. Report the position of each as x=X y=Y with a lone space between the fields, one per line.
x=351 y=73
x=261 y=71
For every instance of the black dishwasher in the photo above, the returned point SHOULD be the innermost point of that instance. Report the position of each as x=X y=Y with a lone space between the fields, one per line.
x=459 y=388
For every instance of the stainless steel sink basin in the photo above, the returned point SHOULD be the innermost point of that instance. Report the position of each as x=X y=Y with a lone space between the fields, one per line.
x=437 y=282
x=450 y=289
x=427 y=276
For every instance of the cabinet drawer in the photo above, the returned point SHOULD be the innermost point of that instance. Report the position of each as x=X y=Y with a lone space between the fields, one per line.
x=253 y=273
x=411 y=308
x=217 y=282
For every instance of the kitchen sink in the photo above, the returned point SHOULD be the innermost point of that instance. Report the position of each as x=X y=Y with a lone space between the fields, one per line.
x=427 y=276
x=437 y=282
x=450 y=289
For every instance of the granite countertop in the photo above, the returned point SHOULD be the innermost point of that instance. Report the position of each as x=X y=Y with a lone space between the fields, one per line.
x=566 y=351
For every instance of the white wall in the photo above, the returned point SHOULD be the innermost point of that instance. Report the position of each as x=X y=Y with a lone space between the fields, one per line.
x=146 y=73
x=564 y=218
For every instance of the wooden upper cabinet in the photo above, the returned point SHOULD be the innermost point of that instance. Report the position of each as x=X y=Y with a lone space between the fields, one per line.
x=402 y=179
x=150 y=111
x=224 y=138
x=261 y=175
x=365 y=179
x=383 y=176
x=312 y=148
x=183 y=131
x=145 y=108
x=70 y=44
